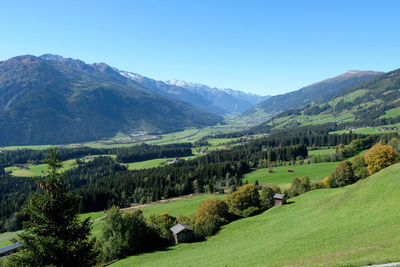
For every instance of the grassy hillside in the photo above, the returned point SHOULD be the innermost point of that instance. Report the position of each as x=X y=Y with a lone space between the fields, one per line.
x=353 y=226
x=319 y=92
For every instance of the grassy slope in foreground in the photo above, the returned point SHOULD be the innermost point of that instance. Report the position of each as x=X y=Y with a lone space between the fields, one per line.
x=354 y=225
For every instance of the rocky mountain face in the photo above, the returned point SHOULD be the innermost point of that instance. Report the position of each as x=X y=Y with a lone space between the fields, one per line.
x=218 y=101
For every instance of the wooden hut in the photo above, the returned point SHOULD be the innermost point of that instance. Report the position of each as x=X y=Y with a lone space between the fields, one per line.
x=182 y=233
x=280 y=199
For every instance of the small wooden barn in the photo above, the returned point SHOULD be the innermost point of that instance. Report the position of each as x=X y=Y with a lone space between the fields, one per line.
x=182 y=233
x=280 y=199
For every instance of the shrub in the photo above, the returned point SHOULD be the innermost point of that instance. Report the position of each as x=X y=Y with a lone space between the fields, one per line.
x=162 y=224
x=245 y=198
x=343 y=175
x=216 y=208
x=360 y=167
x=379 y=157
x=267 y=197
x=395 y=143
x=299 y=186
x=204 y=226
x=124 y=234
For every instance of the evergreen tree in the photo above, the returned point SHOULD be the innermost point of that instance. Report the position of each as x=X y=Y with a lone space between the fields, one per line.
x=54 y=235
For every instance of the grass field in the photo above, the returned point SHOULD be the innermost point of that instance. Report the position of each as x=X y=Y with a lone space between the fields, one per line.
x=152 y=163
x=283 y=178
x=321 y=151
x=184 y=206
x=41 y=169
x=391 y=113
x=5 y=238
x=352 y=226
x=368 y=130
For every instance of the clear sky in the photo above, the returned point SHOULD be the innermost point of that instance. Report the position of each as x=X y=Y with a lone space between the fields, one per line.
x=265 y=47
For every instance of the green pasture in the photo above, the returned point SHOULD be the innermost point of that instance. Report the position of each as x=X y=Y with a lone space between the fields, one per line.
x=283 y=178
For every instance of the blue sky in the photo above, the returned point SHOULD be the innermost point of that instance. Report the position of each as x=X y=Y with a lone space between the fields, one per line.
x=265 y=47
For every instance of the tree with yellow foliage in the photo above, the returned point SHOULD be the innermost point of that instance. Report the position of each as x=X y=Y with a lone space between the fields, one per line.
x=379 y=157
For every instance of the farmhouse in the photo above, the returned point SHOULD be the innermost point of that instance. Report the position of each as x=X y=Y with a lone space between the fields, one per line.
x=280 y=199
x=182 y=233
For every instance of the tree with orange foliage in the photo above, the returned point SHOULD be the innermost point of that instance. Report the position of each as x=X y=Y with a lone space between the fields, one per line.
x=379 y=157
x=325 y=181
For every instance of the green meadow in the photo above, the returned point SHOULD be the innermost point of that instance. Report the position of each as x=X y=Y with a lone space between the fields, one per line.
x=183 y=206
x=42 y=169
x=352 y=226
x=321 y=151
x=283 y=178
x=369 y=130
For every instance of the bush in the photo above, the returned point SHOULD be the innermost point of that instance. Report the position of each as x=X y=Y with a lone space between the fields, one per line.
x=343 y=175
x=124 y=234
x=299 y=186
x=162 y=224
x=360 y=167
x=395 y=143
x=245 y=198
x=379 y=157
x=204 y=226
x=216 y=208
x=266 y=198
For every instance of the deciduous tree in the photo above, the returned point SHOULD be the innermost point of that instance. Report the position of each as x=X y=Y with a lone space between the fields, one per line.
x=379 y=157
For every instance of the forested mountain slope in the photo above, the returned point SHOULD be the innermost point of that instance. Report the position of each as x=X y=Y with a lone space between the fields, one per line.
x=51 y=99
x=319 y=92
x=372 y=102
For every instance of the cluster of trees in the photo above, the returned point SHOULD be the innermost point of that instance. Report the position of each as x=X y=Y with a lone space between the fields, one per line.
x=124 y=154
x=377 y=158
x=146 y=152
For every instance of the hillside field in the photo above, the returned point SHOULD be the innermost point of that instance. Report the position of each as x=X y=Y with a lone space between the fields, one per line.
x=352 y=226
x=182 y=206
x=283 y=178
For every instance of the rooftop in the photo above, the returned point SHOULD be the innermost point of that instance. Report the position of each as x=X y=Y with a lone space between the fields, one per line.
x=179 y=228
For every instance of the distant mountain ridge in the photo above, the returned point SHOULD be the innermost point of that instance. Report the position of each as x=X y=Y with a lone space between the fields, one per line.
x=215 y=100
x=51 y=99
x=373 y=102
x=318 y=92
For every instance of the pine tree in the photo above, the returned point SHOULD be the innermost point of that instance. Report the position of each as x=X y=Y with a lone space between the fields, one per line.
x=54 y=235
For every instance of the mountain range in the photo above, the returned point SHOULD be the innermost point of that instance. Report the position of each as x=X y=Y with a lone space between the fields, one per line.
x=51 y=99
x=215 y=100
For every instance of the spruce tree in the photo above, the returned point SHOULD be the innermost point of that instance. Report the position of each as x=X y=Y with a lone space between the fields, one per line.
x=54 y=235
